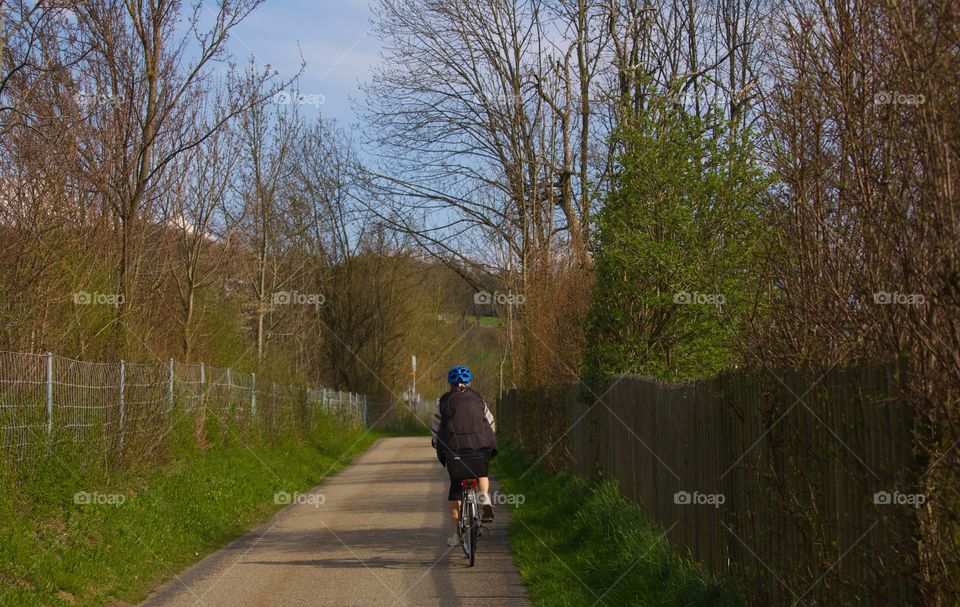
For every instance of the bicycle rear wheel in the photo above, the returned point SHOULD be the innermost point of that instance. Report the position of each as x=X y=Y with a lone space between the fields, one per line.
x=468 y=524
x=464 y=528
x=474 y=525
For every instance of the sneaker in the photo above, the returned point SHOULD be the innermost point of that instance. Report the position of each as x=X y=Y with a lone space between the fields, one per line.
x=486 y=508
x=453 y=540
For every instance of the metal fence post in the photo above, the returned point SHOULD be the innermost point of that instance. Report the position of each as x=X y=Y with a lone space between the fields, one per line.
x=203 y=391
x=365 y=408
x=170 y=383
x=49 y=395
x=273 y=405
x=253 y=395
x=123 y=373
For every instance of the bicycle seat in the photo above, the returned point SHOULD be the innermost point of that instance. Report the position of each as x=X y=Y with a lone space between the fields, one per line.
x=469 y=483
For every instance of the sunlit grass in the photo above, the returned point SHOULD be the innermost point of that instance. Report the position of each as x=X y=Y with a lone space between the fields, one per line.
x=581 y=544
x=54 y=551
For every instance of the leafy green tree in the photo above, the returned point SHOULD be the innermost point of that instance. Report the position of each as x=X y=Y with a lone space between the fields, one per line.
x=676 y=246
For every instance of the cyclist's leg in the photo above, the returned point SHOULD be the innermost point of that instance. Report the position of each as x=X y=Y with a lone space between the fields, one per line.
x=481 y=468
x=453 y=506
x=453 y=511
x=486 y=503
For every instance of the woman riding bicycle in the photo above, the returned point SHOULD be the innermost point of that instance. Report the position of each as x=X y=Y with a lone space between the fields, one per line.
x=463 y=426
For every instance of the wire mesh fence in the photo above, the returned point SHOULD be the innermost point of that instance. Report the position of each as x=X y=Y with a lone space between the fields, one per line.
x=422 y=408
x=123 y=409
x=23 y=401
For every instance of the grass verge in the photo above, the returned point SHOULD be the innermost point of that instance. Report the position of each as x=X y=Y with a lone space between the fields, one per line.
x=581 y=544
x=150 y=522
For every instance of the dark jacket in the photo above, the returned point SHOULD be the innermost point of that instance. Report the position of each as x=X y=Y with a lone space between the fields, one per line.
x=462 y=420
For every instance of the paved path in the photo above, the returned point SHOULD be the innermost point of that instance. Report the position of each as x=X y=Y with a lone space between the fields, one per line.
x=377 y=539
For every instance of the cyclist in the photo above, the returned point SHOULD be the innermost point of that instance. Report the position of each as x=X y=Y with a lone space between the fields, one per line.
x=464 y=426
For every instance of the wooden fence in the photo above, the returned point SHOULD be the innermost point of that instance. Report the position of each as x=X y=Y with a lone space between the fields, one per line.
x=802 y=483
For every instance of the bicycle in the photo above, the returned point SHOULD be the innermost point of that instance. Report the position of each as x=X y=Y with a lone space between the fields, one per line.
x=461 y=467
x=469 y=526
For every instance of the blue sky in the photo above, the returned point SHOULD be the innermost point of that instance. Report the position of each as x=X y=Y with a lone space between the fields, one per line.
x=335 y=39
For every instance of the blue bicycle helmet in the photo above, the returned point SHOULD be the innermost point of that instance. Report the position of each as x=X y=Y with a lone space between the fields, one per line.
x=459 y=375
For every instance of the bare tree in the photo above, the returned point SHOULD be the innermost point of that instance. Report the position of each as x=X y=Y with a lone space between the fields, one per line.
x=38 y=42
x=702 y=55
x=143 y=85
x=483 y=113
x=866 y=129
x=268 y=135
x=457 y=109
x=196 y=209
x=42 y=211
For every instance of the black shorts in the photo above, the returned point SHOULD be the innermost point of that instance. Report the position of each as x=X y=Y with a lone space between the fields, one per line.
x=463 y=465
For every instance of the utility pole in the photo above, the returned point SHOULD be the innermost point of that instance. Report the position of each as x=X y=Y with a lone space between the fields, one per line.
x=413 y=371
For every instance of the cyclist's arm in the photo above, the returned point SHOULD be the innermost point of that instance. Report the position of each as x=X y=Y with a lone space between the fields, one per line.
x=435 y=426
x=488 y=415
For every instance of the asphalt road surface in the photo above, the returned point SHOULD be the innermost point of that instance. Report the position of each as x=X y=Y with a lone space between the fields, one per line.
x=377 y=538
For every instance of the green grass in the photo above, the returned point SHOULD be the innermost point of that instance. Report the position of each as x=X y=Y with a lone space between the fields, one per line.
x=485 y=321
x=55 y=552
x=581 y=544
x=405 y=423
